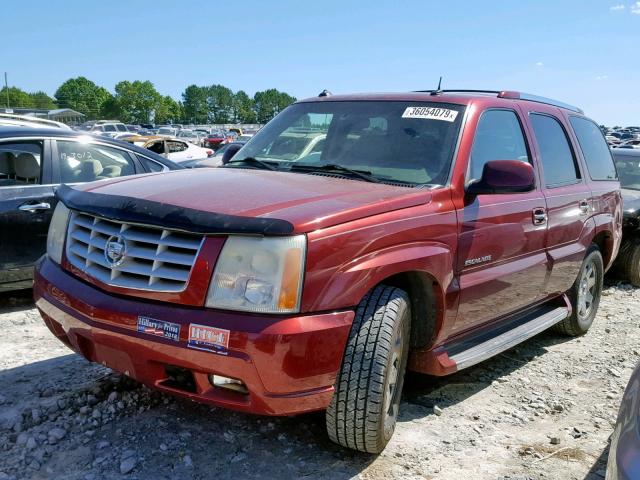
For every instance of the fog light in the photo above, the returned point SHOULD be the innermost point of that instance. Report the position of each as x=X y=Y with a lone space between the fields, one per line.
x=228 y=384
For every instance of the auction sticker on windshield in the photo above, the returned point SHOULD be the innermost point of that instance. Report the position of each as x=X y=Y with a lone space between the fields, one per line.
x=430 y=113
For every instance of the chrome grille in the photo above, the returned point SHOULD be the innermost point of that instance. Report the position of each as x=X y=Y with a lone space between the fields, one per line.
x=156 y=259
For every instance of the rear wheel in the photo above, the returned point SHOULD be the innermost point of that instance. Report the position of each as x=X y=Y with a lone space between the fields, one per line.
x=585 y=295
x=629 y=260
x=364 y=409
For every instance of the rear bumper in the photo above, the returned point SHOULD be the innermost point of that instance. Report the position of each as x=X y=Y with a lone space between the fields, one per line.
x=289 y=364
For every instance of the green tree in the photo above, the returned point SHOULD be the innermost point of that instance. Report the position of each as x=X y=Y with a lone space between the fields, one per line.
x=84 y=96
x=17 y=98
x=268 y=103
x=43 y=101
x=137 y=101
x=194 y=101
x=169 y=111
x=220 y=104
x=243 y=108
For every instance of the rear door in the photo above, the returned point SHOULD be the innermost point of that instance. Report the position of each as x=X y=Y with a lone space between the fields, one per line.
x=26 y=206
x=567 y=195
x=501 y=257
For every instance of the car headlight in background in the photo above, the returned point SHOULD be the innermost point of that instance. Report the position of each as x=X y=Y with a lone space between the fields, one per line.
x=57 y=232
x=259 y=274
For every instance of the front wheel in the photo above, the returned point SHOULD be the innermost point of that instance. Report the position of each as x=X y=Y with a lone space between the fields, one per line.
x=364 y=408
x=585 y=295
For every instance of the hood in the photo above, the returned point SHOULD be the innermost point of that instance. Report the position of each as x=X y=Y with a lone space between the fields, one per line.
x=308 y=202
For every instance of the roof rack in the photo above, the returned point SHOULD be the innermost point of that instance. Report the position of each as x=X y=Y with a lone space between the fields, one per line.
x=511 y=95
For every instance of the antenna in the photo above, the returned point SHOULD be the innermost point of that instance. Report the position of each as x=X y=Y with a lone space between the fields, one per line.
x=438 y=90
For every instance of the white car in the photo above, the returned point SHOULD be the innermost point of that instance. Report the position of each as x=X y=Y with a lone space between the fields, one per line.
x=177 y=150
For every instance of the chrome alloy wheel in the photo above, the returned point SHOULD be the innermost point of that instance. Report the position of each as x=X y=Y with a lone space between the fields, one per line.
x=391 y=391
x=587 y=290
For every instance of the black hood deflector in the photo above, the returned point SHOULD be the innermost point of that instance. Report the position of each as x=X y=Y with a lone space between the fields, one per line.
x=171 y=217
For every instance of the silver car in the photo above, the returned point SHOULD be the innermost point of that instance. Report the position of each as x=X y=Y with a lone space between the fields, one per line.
x=624 y=453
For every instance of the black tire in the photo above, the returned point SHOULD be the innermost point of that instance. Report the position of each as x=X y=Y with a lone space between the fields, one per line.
x=588 y=284
x=376 y=352
x=628 y=262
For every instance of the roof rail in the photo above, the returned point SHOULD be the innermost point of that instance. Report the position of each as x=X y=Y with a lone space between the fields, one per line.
x=512 y=95
x=27 y=121
x=547 y=101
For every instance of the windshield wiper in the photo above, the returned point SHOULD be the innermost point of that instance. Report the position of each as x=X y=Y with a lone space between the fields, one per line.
x=254 y=162
x=332 y=167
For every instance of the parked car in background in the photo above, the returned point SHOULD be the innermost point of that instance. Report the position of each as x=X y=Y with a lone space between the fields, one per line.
x=32 y=163
x=167 y=131
x=430 y=229
x=624 y=450
x=244 y=138
x=107 y=128
x=175 y=149
x=9 y=119
x=628 y=166
x=214 y=140
x=190 y=136
x=214 y=160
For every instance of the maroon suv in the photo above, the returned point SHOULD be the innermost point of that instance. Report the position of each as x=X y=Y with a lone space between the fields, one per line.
x=429 y=229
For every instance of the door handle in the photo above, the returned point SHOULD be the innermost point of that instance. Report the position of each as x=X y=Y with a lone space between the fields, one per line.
x=34 y=207
x=539 y=216
x=584 y=206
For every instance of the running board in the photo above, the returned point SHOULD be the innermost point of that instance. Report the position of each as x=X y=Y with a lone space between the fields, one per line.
x=493 y=346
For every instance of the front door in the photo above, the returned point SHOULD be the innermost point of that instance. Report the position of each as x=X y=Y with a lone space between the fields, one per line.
x=501 y=262
x=26 y=207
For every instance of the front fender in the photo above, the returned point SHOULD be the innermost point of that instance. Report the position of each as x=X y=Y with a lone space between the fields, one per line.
x=352 y=280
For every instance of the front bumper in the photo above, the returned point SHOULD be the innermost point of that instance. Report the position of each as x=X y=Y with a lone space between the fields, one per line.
x=288 y=364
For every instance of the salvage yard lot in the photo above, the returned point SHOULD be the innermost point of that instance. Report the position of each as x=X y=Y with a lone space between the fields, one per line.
x=543 y=410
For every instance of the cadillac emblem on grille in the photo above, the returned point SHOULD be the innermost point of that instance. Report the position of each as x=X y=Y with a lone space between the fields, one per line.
x=115 y=250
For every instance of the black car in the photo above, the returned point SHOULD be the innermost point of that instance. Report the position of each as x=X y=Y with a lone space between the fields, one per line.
x=33 y=162
x=628 y=165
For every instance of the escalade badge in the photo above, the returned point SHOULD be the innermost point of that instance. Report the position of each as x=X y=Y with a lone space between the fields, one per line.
x=115 y=250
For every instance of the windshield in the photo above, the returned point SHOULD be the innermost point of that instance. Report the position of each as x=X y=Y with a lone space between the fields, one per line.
x=628 y=167
x=405 y=142
x=169 y=131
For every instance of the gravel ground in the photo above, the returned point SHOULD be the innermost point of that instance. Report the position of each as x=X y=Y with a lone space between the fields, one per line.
x=543 y=410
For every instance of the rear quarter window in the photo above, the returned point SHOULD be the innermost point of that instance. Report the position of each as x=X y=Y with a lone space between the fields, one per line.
x=594 y=149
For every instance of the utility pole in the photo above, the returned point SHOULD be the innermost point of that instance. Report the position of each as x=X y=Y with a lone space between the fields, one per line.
x=6 y=87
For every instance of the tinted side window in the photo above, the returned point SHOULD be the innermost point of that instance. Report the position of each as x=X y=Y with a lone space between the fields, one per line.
x=558 y=162
x=594 y=148
x=150 y=165
x=20 y=163
x=83 y=162
x=498 y=137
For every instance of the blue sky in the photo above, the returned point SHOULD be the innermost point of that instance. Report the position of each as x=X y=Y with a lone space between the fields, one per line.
x=581 y=52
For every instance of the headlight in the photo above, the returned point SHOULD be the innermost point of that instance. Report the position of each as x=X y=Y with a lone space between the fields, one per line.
x=259 y=274
x=57 y=232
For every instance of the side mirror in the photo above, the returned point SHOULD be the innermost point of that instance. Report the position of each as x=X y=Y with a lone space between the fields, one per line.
x=229 y=153
x=504 y=176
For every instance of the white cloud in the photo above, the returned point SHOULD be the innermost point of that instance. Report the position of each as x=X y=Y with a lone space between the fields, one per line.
x=635 y=8
x=602 y=77
x=617 y=8
x=539 y=64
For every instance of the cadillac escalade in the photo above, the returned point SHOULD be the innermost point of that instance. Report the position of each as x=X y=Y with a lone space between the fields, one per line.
x=427 y=230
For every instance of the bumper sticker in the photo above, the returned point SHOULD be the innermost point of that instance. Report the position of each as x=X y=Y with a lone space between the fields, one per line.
x=206 y=338
x=159 y=328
